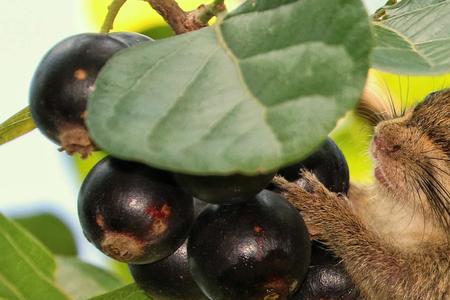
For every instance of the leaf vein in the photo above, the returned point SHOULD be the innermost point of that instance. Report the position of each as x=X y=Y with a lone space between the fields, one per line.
x=180 y=96
x=11 y=287
x=126 y=91
x=418 y=10
x=19 y=251
x=411 y=43
x=221 y=41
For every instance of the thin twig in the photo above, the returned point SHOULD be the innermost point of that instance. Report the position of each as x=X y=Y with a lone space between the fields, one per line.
x=205 y=12
x=181 y=21
x=172 y=13
x=113 y=10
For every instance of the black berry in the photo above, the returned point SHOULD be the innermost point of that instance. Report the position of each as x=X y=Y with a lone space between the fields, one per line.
x=132 y=212
x=326 y=278
x=130 y=38
x=62 y=83
x=170 y=278
x=327 y=163
x=259 y=249
x=224 y=189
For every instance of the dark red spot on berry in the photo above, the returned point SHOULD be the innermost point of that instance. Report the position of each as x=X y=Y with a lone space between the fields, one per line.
x=162 y=213
x=258 y=229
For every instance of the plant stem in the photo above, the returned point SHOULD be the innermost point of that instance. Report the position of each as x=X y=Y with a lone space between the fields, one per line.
x=113 y=10
x=206 y=12
x=172 y=13
x=181 y=21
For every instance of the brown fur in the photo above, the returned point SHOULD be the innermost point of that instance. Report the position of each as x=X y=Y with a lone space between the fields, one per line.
x=393 y=237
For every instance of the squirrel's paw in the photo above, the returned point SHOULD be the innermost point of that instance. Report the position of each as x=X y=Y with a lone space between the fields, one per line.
x=313 y=200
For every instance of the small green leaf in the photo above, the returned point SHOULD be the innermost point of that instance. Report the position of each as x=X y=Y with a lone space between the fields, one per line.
x=82 y=280
x=413 y=37
x=16 y=126
x=26 y=266
x=255 y=92
x=51 y=231
x=129 y=292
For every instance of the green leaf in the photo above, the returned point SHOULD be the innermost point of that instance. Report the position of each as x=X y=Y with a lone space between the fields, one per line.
x=129 y=292
x=82 y=280
x=255 y=92
x=16 y=126
x=51 y=231
x=407 y=6
x=413 y=38
x=121 y=270
x=26 y=267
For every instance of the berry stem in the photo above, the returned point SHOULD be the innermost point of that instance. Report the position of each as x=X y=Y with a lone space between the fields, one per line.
x=16 y=126
x=181 y=21
x=113 y=10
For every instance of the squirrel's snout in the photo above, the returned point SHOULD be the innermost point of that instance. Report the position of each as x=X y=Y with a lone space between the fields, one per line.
x=385 y=145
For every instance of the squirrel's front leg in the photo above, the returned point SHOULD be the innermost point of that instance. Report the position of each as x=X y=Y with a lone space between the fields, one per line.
x=378 y=269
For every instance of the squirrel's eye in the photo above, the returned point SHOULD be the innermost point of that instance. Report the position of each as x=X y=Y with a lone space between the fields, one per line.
x=395 y=148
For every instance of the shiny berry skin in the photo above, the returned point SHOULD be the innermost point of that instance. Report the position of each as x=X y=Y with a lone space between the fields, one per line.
x=327 y=163
x=229 y=189
x=62 y=84
x=132 y=212
x=258 y=249
x=326 y=278
x=170 y=278
x=130 y=38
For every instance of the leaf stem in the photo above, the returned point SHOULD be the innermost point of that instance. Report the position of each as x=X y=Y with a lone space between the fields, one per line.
x=113 y=10
x=16 y=126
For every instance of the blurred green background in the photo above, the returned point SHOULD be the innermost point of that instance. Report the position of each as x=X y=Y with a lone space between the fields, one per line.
x=38 y=183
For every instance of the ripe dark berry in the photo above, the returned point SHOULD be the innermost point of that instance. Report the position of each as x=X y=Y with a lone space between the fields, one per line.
x=62 y=83
x=230 y=189
x=130 y=38
x=133 y=213
x=170 y=278
x=258 y=249
x=326 y=278
x=327 y=163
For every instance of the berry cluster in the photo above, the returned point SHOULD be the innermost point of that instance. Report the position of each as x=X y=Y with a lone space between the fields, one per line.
x=185 y=236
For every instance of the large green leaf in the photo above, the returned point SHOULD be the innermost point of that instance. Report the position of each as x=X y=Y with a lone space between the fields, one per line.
x=81 y=280
x=257 y=91
x=129 y=292
x=413 y=37
x=51 y=231
x=26 y=267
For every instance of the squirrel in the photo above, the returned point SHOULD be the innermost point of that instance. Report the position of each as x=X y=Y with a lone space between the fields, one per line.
x=393 y=237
